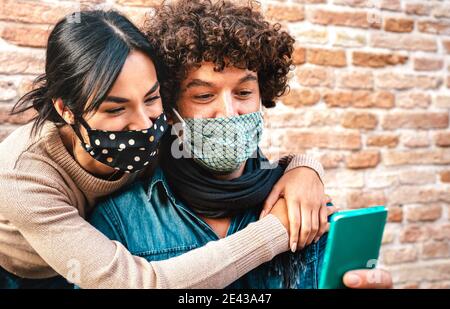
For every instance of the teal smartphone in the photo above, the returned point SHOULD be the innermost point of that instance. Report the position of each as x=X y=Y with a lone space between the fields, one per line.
x=354 y=241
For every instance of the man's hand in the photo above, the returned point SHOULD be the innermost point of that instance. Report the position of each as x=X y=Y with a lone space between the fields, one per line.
x=368 y=279
x=306 y=202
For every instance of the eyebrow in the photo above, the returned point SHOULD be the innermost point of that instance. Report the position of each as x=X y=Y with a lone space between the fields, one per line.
x=202 y=83
x=249 y=77
x=124 y=100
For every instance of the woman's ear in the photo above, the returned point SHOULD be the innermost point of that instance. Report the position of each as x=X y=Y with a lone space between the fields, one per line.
x=63 y=111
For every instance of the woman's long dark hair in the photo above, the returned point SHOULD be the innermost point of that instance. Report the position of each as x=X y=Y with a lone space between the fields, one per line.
x=84 y=58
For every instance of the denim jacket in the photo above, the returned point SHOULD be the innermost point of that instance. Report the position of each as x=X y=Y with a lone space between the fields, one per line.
x=152 y=223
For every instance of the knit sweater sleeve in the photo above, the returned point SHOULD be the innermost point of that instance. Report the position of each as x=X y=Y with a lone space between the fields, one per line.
x=302 y=160
x=40 y=208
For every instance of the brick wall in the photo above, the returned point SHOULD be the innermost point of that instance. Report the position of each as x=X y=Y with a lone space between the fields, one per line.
x=370 y=97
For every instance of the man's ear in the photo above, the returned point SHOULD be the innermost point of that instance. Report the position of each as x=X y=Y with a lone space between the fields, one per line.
x=63 y=111
x=170 y=117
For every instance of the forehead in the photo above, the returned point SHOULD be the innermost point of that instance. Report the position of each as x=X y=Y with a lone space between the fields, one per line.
x=138 y=70
x=228 y=75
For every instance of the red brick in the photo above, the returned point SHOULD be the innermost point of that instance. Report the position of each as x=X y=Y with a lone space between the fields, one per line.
x=389 y=236
x=438 y=157
x=435 y=27
x=418 y=8
x=26 y=35
x=354 y=3
x=415 y=120
x=374 y=60
x=363 y=159
x=428 y=64
x=5 y=117
x=413 y=233
x=395 y=214
x=445 y=176
x=383 y=140
x=359 y=99
x=417 y=194
x=21 y=62
x=144 y=3
x=436 y=271
x=398 y=24
x=440 y=231
x=350 y=18
x=311 y=1
x=416 y=139
x=416 y=177
x=301 y=97
x=323 y=139
x=400 y=81
x=35 y=12
x=400 y=255
x=391 y=5
x=299 y=56
x=413 y=100
x=8 y=90
x=363 y=199
x=441 y=10
x=434 y=250
x=335 y=58
x=356 y=80
x=359 y=120
x=443 y=139
x=446 y=45
x=284 y=12
x=331 y=160
x=442 y=101
x=401 y=41
x=430 y=212
x=315 y=77
x=137 y=15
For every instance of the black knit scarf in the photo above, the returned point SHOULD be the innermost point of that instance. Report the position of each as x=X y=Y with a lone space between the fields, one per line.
x=214 y=198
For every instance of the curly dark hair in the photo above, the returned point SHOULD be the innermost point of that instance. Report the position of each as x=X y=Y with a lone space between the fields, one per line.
x=186 y=33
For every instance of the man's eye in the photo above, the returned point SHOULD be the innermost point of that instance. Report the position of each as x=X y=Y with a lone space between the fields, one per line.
x=244 y=93
x=115 y=110
x=203 y=96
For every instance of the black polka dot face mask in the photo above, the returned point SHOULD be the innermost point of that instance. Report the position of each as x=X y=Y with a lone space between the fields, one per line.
x=127 y=151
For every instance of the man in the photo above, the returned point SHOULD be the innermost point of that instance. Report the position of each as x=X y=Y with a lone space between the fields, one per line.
x=224 y=62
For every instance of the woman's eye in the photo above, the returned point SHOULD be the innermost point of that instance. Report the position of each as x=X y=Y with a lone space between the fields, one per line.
x=151 y=100
x=115 y=110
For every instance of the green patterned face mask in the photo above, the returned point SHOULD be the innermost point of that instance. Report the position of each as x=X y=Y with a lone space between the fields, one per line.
x=223 y=144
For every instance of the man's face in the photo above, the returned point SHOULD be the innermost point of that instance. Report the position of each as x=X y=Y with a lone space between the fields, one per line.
x=209 y=94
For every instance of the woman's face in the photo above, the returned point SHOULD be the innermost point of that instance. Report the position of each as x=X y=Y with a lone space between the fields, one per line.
x=132 y=104
x=134 y=99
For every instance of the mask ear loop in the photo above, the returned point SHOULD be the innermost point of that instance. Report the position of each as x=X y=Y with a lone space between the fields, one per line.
x=182 y=139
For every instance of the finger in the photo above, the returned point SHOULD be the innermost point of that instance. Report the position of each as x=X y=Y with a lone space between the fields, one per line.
x=368 y=279
x=331 y=210
x=294 y=222
x=305 y=227
x=323 y=220
x=271 y=200
x=314 y=226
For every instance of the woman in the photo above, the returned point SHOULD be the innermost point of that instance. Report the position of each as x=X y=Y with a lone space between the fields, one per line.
x=99 y=120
